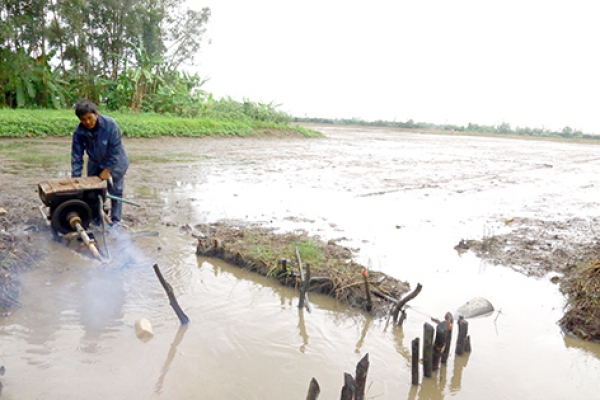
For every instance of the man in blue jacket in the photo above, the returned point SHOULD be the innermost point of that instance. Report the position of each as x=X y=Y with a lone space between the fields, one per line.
x=99 y=136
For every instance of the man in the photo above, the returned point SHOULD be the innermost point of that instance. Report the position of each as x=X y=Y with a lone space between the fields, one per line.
x=99 y=136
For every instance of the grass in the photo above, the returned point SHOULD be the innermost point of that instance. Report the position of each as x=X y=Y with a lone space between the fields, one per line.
x=24 y=123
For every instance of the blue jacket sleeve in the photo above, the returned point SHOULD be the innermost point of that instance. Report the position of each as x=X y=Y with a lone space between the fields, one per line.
x=77 y=149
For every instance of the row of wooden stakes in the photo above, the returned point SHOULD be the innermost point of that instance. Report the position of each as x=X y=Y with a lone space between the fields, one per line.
x=436 y=350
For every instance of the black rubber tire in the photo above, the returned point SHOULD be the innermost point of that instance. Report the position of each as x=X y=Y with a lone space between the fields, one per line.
x=58 y=218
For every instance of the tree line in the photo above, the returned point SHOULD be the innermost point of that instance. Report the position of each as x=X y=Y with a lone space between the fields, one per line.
x=123 y=54
x=503 y=128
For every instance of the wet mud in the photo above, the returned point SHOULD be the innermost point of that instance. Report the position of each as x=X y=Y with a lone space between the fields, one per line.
x=532 y=246
x=402 y=205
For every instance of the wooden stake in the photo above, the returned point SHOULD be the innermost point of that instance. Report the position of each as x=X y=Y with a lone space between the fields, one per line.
x=427 y=349
x=349 y=388
x=449 y=321
x=304 y=284
x=313 y=390
x=415 y=361
x=362 y=368
x=441 y=334
x=463 y=329
x=365 y=275
x=172 y=300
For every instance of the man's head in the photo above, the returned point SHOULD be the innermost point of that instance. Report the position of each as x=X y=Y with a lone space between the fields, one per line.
x=87 y=112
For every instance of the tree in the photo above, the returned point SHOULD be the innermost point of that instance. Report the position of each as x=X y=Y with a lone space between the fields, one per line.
x=55 y=51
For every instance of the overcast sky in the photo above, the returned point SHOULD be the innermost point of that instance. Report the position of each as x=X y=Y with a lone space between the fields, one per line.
x=528 y=63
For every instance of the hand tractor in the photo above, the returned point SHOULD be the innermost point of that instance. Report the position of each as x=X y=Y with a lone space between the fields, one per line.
x=75 y=203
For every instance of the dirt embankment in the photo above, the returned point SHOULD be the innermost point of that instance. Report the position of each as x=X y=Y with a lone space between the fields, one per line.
x=563 y=249
x=332 y=269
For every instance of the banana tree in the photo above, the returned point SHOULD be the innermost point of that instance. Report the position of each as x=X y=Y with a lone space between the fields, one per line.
x=143 y=75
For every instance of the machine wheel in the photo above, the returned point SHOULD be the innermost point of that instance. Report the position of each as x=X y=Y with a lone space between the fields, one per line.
x=58 y=219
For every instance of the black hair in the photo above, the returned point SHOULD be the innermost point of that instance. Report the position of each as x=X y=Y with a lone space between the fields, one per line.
x=84 y=106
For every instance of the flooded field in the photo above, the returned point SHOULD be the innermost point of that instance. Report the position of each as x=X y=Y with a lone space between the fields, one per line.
x=403 y=201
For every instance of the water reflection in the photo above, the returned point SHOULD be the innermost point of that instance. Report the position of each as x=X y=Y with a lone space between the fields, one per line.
x=587 y=347
x=170 y=357
x=459 y=365
x=363 y=335
x=302 y=329
x=399 y=341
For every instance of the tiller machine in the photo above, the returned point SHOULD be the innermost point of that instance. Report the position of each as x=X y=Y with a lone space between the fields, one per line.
x=72 y=205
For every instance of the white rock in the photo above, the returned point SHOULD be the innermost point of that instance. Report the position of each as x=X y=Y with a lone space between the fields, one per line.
x=476 y=307
x=143 y=329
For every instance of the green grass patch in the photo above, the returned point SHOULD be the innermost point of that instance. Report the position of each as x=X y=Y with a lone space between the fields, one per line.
x=23 y=123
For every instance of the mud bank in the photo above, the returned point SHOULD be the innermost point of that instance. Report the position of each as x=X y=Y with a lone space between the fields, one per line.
x=563 y=249
x=333 y=271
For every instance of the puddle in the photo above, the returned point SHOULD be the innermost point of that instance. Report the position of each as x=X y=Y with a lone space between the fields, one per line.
x=404 y=200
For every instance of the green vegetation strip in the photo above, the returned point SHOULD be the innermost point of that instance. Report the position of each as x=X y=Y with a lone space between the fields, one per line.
x=41 y=123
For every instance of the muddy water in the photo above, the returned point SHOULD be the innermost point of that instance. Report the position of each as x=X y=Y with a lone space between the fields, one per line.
x=403 y=200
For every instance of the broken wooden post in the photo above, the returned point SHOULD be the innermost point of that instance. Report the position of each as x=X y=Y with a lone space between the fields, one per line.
x=441 y=334
x=449 y=321
x=415 y=361
x=362 y=368
x=283 y=266
x=468 y=344
x=463 y=329
x=304 y=287
x=365 y=275
x=405 y=300
x=172 y=300
x=427 y=349
x=304 y=283
x=313 y=390
x=349 y=388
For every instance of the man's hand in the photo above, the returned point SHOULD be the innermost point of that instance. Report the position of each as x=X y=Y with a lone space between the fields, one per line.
x=105 y=174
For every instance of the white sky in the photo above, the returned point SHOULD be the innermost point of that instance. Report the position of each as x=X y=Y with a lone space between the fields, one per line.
x=528 y=63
